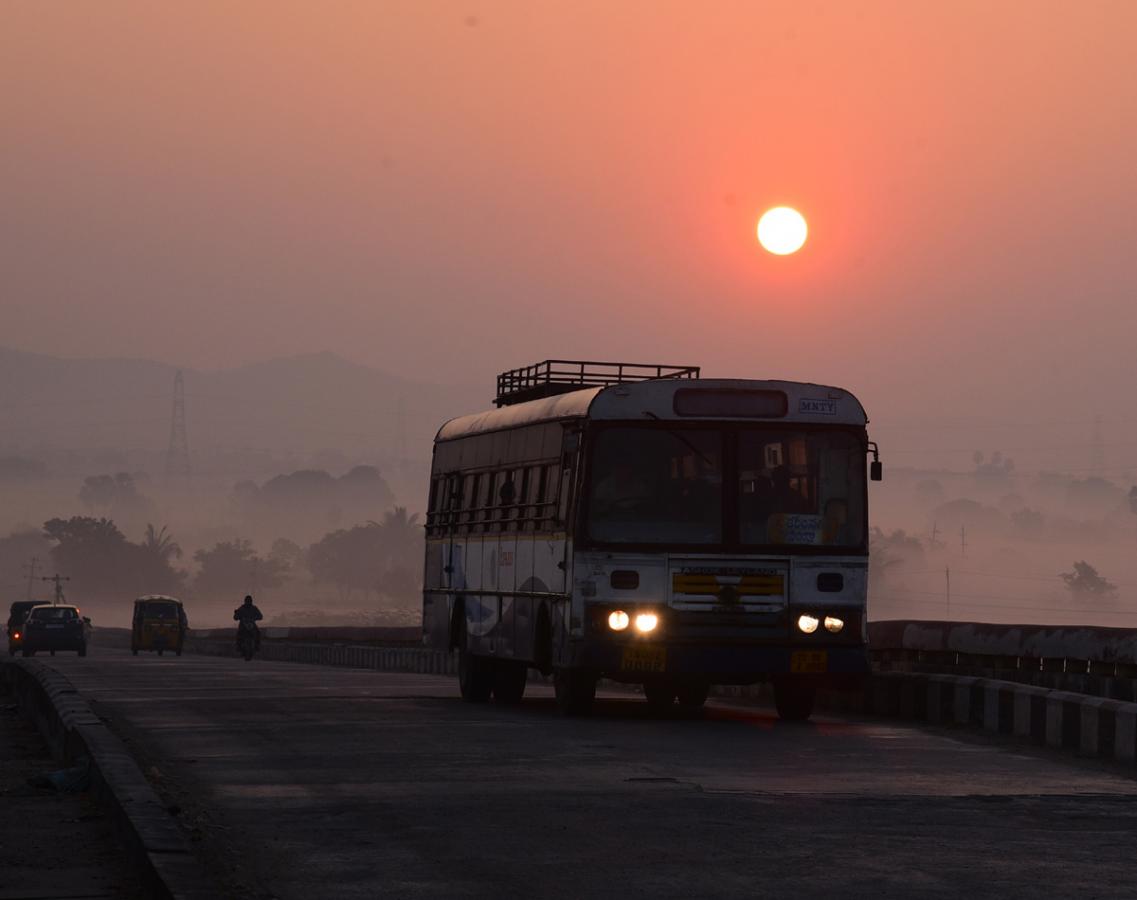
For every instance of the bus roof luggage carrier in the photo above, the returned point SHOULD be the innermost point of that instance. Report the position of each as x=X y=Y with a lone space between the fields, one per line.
x=562 y=376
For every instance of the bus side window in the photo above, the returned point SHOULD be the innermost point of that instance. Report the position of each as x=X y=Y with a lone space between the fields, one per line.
x=469 y=500
x=536 y=488
x=488 y=501
x=549 y=493
x=506 y=497
x=521 y=482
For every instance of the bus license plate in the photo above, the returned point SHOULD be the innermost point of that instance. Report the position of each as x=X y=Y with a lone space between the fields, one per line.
x=644 y=659
x=812 y=661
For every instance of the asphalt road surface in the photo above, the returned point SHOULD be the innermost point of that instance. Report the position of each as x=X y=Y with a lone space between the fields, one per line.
x=301 y=782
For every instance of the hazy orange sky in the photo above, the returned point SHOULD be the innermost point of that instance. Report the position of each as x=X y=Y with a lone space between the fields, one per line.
x=470 y=186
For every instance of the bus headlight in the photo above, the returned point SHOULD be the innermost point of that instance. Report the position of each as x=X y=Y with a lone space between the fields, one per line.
x=833 y=624
x=646 y=622
x=808 y=623
x=618 y=620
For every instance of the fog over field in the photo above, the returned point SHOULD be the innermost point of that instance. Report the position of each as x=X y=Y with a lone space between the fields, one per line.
x=317 y=506
x=339 y=226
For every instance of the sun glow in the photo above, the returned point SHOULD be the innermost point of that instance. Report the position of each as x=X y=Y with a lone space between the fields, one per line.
x=782 y=230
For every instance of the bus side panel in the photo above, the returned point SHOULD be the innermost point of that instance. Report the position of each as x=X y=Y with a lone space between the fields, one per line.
x=437 y=611
x=561 y=620
x=436 y=607
x=506 y=582
x=471 y=554
x=549 y=562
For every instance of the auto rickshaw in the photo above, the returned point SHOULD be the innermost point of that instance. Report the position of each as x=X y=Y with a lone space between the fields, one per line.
x=159 y=624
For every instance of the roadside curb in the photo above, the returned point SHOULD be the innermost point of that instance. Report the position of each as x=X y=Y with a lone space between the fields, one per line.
x=156 y=845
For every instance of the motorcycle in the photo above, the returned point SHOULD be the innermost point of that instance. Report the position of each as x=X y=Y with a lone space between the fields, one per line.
x=247 y=639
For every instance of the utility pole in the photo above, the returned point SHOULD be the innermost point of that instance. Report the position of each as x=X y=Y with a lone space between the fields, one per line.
x=58 y=580
x=962 y=540
x=947 y=583
x=31 y=570
x=935 y=535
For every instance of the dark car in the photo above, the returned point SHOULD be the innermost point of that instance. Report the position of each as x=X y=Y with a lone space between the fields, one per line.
x=16 y=615
x=55 y=628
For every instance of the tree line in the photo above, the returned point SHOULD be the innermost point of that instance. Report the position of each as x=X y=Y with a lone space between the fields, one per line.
x=383 y=558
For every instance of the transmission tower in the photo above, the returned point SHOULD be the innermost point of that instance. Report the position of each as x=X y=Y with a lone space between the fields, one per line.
x=177 y=455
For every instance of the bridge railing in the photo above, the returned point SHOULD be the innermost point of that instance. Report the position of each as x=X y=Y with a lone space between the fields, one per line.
x=1083 y=659
x=1087 y=660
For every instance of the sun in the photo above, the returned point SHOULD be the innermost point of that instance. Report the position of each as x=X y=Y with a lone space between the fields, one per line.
x=782 y=230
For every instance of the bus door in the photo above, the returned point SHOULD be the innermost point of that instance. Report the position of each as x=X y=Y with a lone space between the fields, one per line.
x=453 y=568
x=566 y=497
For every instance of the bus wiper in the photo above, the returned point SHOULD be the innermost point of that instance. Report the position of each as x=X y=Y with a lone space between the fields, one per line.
x=680 y=437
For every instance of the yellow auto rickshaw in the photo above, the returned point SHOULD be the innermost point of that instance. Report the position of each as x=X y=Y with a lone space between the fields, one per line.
x=159 y=624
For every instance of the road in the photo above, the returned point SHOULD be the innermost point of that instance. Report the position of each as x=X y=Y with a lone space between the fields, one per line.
x=304 y=781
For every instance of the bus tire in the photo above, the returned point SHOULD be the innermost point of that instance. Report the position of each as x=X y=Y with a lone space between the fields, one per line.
x=794 y=699
x=693 y=696
x=475 y=677
x=659 y=695
x=575 y=690
x=543 y=644
x=509 y=681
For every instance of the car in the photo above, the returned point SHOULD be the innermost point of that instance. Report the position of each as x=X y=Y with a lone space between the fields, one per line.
x=16 y=615
x=55 y=628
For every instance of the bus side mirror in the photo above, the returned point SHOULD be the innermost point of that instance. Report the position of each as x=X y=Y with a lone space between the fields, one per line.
x=876 y=470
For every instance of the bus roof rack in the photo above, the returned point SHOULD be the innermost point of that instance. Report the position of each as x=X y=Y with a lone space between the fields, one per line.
x=560 y=376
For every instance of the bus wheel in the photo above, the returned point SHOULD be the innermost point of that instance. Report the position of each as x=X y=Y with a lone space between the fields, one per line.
x=509 y=681
x=659 y=695
x=475 y=677
x=794 y=699
x=693 y=696
x=576 y=691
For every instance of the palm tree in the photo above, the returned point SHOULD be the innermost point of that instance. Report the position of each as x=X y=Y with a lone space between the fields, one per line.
x=161 y=544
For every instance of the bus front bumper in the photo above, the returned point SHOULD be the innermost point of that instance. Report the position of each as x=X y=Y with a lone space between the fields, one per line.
x=640 y=661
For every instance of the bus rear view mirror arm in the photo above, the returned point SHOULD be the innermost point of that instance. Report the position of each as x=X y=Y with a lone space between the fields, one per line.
x=876 y=469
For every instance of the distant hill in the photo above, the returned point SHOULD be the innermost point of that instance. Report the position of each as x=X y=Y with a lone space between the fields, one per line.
x=299 y=404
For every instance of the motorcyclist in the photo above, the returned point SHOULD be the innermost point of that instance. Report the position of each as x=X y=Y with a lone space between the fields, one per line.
x=248 y=612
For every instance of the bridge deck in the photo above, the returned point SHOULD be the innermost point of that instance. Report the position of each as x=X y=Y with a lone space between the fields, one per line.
x=306 y=781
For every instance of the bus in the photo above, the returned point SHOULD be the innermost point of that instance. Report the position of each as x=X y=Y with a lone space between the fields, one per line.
x=646 y=525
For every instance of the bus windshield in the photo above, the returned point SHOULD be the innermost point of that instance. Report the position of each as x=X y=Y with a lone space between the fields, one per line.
x=656 y=485
x=651 y=485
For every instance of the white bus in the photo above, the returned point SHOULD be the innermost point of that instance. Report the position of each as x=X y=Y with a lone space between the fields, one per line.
x=645 y=525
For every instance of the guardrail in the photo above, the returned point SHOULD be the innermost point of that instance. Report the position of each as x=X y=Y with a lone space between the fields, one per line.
x=1082 y=659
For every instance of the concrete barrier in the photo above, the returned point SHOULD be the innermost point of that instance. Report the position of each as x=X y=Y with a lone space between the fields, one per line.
x=158 y=848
